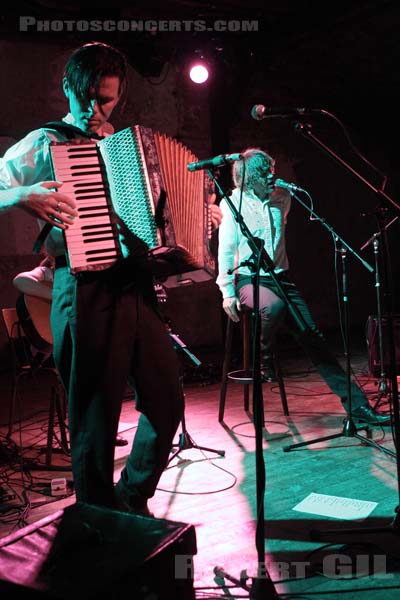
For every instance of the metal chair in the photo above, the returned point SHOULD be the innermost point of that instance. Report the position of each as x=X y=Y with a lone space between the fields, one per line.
x=244 y=376
x=26 y=364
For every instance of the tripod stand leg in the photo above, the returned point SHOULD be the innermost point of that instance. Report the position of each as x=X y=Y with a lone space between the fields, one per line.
x=185 y=440
x=315 y=441
x=349 y=430
x=186 y=443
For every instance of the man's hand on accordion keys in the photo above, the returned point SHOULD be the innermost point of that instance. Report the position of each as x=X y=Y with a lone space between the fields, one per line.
x=44 y=201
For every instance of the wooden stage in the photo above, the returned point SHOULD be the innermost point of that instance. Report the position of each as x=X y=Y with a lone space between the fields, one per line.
x=218 y=494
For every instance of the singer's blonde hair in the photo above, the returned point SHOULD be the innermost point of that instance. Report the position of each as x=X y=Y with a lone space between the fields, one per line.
x=255 y=166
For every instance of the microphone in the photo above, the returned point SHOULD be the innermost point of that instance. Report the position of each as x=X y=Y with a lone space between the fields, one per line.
x=259 y=112
x=292 y=187
x=211 y=163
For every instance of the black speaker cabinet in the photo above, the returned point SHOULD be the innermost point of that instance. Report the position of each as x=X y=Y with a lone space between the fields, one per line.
x=372 y=334
x=86 y=552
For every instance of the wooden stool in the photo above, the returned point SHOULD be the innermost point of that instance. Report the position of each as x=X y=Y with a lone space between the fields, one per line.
x=245 y=375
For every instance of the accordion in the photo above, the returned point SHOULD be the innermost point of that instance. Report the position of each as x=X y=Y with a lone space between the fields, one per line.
x=134 y=195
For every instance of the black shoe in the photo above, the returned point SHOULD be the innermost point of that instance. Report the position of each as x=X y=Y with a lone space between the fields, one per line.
x=134 y=506
x=121 y=441
x=367 y=414
x=268 y=374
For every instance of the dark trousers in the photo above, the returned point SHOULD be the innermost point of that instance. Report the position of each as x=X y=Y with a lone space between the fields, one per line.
x=274 y=314
x=106 y=334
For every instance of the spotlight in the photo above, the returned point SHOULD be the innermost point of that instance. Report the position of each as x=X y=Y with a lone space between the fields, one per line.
x=198 y=72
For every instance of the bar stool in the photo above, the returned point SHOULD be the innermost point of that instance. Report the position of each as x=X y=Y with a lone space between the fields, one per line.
x=245 y=375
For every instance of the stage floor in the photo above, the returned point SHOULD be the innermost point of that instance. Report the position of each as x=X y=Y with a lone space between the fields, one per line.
x=341 y=483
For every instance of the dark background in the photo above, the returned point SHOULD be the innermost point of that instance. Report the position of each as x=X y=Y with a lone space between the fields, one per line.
x=339 y=57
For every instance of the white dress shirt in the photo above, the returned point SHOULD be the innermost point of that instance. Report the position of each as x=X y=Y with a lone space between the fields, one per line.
x=265 y=220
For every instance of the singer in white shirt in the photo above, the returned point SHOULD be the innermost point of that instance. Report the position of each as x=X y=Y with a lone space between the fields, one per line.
x=265 y=208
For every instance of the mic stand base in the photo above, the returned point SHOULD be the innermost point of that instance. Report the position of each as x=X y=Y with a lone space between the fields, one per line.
x=261 y=588
x=350 y=431
x=384 y=392
x=186 y=443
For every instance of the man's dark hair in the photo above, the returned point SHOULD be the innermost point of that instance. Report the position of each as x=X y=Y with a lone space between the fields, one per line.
x=90 y=63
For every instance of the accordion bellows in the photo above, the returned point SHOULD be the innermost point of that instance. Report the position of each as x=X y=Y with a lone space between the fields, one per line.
x=134 y=194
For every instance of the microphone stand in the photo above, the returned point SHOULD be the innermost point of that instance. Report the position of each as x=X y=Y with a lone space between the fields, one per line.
x=305 y=130
x=185 y=441
x=394 y=527
x=349 y=428
x=262 y=586
x=383 y=386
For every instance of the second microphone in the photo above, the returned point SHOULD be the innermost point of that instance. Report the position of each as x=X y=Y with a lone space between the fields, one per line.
x=213 y=163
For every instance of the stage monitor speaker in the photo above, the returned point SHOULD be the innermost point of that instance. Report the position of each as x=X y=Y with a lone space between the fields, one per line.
x=372 y=334
x=87 y=552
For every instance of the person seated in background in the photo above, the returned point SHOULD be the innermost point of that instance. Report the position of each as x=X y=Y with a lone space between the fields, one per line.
x=265 y=208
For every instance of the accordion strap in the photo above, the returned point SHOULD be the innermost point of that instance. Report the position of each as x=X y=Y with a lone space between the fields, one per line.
x=70 y=131
x=44 y=232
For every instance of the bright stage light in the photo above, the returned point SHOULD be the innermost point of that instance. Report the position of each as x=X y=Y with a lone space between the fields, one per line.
x=198 y=73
